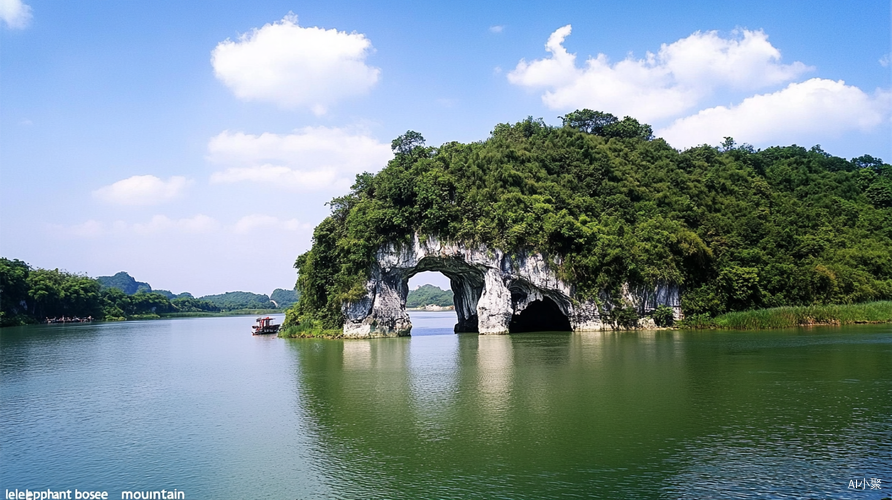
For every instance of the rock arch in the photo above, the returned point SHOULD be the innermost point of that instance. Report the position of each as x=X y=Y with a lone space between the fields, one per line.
x=491 y=288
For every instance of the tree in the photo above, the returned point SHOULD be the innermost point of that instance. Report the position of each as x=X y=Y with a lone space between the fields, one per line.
x=406 y=143
x=736 y=227
x=629 y=128
x=588 y=121
x=13 y=291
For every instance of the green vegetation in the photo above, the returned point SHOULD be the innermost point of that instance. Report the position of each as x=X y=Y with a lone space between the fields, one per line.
x=125 y=283
x=307 y=328
x=663 y=316
x=191 y=304
x=790 y=316
x=239 y=300
x=284 y=298
x=738 y=228
x=429 y=295
x=30 y=295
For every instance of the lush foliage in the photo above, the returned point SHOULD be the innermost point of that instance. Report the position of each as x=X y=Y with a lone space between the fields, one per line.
x=26 y=294
x=429 y=295
x=791 y=316
x=239 y=300
x=284 y=298
x=738 y=228
x=30 y=295
x=125 y=283
x=191 y=304
x=663 y=316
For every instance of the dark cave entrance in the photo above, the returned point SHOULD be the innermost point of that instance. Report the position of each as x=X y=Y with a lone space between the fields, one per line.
x=540 y=316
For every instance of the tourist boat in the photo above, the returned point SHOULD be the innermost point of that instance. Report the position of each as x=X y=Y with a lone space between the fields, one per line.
x=264 y=326
x=66 y=319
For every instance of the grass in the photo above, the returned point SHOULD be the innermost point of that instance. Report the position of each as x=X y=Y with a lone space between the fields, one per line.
x=785 y=317
x=309 y=330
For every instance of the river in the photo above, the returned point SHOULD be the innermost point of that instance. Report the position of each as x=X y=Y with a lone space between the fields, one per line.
x=200 y=406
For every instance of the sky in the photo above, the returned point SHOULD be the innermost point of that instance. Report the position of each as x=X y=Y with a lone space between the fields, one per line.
x=195 y=144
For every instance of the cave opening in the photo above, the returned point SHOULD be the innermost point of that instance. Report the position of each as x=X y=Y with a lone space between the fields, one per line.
x=465 y=282
x=540 y=316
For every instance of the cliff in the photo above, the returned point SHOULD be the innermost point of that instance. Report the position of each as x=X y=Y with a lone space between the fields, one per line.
x=492 y=290
x=580 y=227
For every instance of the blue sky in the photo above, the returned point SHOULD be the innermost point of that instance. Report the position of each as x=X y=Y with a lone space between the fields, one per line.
x=194 y=144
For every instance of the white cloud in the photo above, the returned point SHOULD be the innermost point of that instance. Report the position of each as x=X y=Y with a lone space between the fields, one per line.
x=308 y=159
x=142 y=190
x=802 y=112
x=293 y=66
x=884 y=61
x=253 y=222
x=496 y=29
x=675 y=79
x=15 y=14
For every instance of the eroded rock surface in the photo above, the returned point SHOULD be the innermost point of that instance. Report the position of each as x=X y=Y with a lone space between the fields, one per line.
x=490 y=290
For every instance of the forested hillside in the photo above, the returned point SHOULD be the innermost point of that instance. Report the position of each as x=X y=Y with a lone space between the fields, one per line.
x=239 y=300
x=125 y=283
x=429 y=295
x=738 y=228
x=29 y=295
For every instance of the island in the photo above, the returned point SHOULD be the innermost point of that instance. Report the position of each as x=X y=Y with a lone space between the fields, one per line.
x=596 y=224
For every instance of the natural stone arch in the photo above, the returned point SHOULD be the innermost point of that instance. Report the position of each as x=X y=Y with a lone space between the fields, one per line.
x=466 y=282
x=491 y=289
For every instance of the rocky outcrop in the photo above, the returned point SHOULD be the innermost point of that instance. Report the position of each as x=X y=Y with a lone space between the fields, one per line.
x=492 y=290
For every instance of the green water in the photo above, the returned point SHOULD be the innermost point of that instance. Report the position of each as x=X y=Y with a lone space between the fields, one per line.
x=202 y=406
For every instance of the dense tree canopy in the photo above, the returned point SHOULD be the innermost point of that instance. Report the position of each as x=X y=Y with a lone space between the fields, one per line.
x=736 y=227
x=284 y=298
x=124 y=282
x=239 y=300
x=429 y=295
x=29 y=295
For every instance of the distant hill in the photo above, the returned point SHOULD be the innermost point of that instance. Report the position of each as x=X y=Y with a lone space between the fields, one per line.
x=167 y=293
x=429 y=295
x=225 y=301
x=125 y=283
x=239 y=300
x=284 y=298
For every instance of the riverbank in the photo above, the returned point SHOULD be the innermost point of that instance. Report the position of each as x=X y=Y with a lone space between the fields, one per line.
x=431 y=308
x=234 y=312
x=793 y=316
x=309 y=330
x=199 y=314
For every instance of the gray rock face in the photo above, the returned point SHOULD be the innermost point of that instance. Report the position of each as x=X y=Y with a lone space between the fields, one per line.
x=492 y=290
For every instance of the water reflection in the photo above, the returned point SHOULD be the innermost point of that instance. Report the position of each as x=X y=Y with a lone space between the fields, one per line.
x=543 y=415
x=495 y=378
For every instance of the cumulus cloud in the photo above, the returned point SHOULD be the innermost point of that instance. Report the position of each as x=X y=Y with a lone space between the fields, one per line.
x=294 y=66
x=496 y=29
x=308 y=159
x=254 y=222
x=15 y=14
x=802 y=112
x=662 y=85
x=142 y=190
